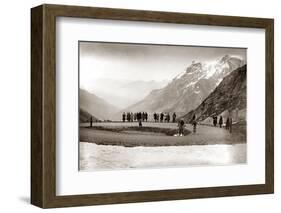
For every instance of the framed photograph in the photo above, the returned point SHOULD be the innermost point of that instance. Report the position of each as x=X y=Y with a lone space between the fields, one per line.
x=137 y=106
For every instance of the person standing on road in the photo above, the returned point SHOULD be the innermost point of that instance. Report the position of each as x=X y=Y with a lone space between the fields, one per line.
x=128 y=116
x=194 y=123
x=91 y=121
x=161 y=117
x=146 y=116
x=227 y=124
x=220 y=121
x=140 y=119
x=131 y=117
x=215 y=120
x=168 y=117
x=181 y=127
x=124 y=116
x=174 y=117
x=230 y=124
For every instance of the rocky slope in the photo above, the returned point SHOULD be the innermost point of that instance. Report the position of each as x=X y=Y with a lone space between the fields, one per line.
x=229 y=95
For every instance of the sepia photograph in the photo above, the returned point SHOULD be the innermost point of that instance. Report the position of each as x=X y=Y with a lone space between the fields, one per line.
x=144 y=106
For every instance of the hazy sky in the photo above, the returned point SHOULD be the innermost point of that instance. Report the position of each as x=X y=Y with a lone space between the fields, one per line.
x=142 y=62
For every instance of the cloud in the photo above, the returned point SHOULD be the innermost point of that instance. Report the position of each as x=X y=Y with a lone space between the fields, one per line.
x=143 y=61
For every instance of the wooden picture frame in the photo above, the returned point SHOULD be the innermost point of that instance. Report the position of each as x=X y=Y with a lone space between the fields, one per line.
x=43 y=105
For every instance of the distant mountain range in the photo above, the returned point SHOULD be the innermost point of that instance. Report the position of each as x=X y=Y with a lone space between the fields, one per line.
x=229 y=95
x=187 y=90
x=123 y=93
x=95 y=106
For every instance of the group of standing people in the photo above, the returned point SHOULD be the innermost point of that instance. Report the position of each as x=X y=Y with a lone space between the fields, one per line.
x=228 y=123
x=137 y=116
x=143 y=116
x=164 y=117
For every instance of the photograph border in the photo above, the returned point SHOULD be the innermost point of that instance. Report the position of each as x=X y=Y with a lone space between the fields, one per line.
x=43 y=105
x=133 y=43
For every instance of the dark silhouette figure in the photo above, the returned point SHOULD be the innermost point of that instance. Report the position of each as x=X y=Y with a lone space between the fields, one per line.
x=230 y=124
x=124 y=116
x=131 y=117
x=181 y=127
x=145 y=116
x=140 y=119
x=174 y=117
x=220 y=121
x=161 y=117
x=168 y=117
x=155 y=116
x=128 y=116
x=215 y=120
x=194 y=124
x=227 y=124
x=91 y=121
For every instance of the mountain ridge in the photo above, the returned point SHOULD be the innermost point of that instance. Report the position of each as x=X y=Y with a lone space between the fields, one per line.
x=96 y=106
x=229 y=95
x=189 y=88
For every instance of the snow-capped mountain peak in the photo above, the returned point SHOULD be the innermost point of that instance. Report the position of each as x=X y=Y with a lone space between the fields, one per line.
x=190 y=87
